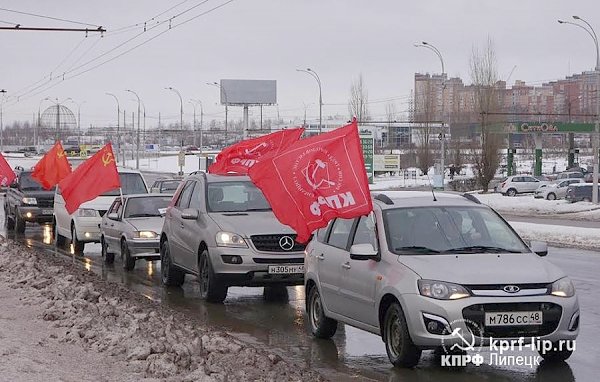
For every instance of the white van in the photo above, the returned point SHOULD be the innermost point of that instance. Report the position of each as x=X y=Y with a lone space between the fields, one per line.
x=83 y=226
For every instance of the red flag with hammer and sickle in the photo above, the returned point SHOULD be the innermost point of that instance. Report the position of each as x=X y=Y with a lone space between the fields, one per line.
x=7 y=175
x=93 y=177
x=52 y=168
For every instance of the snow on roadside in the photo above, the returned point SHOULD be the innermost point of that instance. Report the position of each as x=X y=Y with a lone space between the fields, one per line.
x=563 y=236
x=155 y=341
x=527 y=205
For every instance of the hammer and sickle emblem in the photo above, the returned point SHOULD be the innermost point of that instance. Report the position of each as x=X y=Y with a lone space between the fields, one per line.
x=107 y=157
x=60 y=154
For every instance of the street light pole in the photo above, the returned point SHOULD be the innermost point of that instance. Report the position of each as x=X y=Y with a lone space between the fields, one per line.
x=118 y=126
x=137 y=155
x=216 y=84
x=314 y=75
x=180 y=122
x=425 y=44
x=595 y=144
x=195 y=102
x=78 y=121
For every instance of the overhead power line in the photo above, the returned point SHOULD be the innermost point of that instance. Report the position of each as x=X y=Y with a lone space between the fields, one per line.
x=48 y=17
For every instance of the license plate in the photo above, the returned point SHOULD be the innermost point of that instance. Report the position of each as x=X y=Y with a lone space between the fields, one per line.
x=47 y=212
x=514 y=318
x=285 y=269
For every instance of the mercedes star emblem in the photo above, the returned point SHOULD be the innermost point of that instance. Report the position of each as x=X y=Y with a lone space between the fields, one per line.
x=286 y=243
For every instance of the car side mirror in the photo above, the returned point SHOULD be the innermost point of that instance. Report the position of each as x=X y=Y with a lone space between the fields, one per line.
x=113 y=216
x=363 y=252
x=539 y=247
x=190 y=214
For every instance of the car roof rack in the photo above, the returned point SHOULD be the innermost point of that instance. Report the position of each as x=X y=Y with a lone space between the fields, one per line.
x=384 y=198
x=471 y=197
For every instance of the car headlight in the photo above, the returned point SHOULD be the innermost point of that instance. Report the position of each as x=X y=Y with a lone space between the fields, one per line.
x=441 y=290
x=145 y=235
x=229 y=239
x=32 y=201
x=87 y=213
x=563 y=288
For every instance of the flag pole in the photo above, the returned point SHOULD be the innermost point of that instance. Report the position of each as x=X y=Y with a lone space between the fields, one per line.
x=121 y=193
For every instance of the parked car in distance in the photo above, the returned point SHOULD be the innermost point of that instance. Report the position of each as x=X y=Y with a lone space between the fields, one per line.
x=27 y=201
x=83 y=226
x=132 y=227
x=589 y=177
x=580 y=192
x=496 y=183
x=542 y=178
x=417 y=272
x=222 y=230
x=570 y=175
x=165 y=186
x=556 y=190
x=520 y=184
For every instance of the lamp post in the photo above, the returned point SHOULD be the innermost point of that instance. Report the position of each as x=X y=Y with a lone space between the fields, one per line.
x=592 y=33
x=118 y=125
x=425 y=44
x=1 y=122
x=78 y=120
x=137 y=140
x=195 y=102
x=180 y=124
x=216 y=84
x=314 y=75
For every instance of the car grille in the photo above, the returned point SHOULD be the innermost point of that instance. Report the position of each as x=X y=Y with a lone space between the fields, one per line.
x=293 y=260
x=474 y=288
x=476 y=314
x=270 y=243
x=102 y=212
x=45 y=203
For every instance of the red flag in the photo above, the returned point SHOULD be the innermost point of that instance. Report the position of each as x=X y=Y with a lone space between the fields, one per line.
x=7 y=175
x=243 y=155
x=52 y=168
x=92 y=178
x=316 y=180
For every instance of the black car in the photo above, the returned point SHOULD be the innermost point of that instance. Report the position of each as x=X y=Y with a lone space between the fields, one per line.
x=580 y=192
x=27 y=201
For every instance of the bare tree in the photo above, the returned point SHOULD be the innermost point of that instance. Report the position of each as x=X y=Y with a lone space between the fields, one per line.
x=424 y=113
x=390 y=113
x=484 y=74
x=358 y=105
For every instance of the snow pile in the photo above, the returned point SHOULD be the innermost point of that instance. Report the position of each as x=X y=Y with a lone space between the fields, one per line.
x=527 y=205
x=109 y=319
x=563 y=236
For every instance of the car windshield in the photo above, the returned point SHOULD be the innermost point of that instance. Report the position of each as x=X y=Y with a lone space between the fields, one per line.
x=29 y=184
x=170 y=185
x=444 y=230
x=235 y=197
x=131 y=183
x=146 y=206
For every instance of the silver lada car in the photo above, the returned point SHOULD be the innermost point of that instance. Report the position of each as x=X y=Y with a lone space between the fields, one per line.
x=424 y=273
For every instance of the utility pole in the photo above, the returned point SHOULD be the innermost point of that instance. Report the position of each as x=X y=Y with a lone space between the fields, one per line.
x=137 y=155
x=118 y=123
x=1 y=121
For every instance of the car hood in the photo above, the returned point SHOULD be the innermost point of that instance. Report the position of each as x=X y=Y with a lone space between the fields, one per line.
x=45 y=195
x=250 y=223
x=488 y=268
x=154 y=224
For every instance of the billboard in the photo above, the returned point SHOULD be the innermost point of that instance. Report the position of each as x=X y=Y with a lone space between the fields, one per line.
x=386 y=163
x=248 y=92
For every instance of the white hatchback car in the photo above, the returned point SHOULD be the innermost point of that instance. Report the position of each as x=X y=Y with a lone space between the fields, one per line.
x=557 y=190
x=520 y=184
x=83 y=226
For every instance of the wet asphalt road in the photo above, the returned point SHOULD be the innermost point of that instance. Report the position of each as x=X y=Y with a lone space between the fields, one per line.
x=352 y=355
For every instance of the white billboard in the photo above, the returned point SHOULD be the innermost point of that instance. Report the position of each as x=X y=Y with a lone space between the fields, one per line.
x=248 y=92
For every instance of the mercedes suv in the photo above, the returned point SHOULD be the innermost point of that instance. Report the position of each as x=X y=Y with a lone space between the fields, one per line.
x=427 y=273
x=222 y=230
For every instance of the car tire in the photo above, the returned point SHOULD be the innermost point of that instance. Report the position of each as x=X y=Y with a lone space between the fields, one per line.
x=108 y=257
x=551 y=196
x=556 y=354
x=78 y=246
x=19 y=223
x=511 y=192
x=169 y=274
x=126 y=258
x=401 y=351
x=321 y=326
x=211 y=289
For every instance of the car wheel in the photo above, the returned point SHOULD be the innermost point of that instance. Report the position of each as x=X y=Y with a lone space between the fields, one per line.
x=321 y=326
x=551 y=196
x=561 y=351
x=59 y=240
x=586 y=199
x=400 y=349
x=108 y=257
x=19 y=223
x=169 y=274
x=126 y=258
x=211 y=289
x=78 y=246
x=511 y=192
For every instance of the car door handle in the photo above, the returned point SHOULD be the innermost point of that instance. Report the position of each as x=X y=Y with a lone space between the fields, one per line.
x=320 y=257
x=346 y=266
x=181 y=225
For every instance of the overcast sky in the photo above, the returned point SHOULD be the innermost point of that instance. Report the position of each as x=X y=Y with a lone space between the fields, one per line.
x=269 y=39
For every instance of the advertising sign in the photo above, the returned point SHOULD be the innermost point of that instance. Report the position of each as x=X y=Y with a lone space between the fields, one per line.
x=367 y=142
x=388 y=163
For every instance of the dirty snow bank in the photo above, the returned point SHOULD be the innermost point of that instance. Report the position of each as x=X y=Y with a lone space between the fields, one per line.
x=155 y=342
x=563 y=236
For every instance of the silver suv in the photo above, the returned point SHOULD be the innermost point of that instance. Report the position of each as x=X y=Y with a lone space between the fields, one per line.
x=426 y=274
x=222 y=230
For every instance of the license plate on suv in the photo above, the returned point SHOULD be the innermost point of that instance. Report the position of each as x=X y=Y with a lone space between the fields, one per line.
x=286 y=269
x=514 y=318
x=47 y=212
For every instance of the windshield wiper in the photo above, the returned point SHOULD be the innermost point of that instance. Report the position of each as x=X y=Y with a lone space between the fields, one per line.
x=257 y=209
x=481 y=248
x=416 y=248
x=142 y=215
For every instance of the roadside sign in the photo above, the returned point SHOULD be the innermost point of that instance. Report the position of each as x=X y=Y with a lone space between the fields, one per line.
x=388 y=162
x=181 y=159
x=367 y=142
